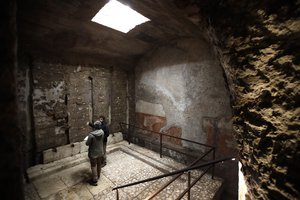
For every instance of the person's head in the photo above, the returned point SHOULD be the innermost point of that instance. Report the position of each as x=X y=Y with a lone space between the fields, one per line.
x=97 y=125
x=102 y=118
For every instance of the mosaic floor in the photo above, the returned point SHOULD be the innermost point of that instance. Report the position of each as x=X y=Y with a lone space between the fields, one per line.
x=125 y=163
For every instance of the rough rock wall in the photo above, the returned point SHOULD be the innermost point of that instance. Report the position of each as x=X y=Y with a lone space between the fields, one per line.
x=258 y=43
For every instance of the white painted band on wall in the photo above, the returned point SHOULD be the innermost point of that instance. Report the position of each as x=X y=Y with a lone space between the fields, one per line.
x=150 y=108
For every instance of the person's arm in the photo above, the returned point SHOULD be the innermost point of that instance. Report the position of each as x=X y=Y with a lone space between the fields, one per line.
x=88 y=141
x=90 y=124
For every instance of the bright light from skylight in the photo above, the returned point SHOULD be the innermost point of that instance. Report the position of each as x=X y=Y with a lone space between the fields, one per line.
x=118 y=16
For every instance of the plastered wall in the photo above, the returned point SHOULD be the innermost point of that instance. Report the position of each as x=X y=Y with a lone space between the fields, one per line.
x=180 y=90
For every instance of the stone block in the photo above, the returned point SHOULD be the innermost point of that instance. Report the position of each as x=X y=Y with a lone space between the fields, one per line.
x=83 y=147
x=65 y=151
x=114 y=138
x=61 y=152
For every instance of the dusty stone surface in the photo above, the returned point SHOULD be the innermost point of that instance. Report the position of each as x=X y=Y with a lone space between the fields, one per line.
x=258 y=45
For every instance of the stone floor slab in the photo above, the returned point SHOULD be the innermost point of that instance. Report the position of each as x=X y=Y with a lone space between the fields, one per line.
x=76 y=174
x=49 y=185
x=82 y=191
x=103 y=184
x=30 y=192
x=66 y=194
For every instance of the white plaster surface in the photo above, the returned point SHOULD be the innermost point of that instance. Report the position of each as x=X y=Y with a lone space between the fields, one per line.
x=150 y=108
x=187 y=81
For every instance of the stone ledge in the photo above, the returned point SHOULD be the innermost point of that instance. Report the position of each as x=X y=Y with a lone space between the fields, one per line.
x=59 y=160
x=68 y=150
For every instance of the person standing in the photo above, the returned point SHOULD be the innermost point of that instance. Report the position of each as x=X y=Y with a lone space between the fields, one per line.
x=95 y=151
x=105 y=129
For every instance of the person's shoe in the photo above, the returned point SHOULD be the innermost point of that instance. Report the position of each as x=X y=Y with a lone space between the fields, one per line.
x=93 y=183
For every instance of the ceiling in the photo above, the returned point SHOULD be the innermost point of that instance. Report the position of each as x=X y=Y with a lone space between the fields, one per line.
x=62 y=30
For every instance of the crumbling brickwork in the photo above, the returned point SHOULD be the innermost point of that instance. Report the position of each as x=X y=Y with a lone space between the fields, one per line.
x=49 y=108
x=119 y=97
x=65 y=98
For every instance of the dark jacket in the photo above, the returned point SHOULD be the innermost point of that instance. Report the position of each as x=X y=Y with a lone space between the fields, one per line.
x=104 y=127
x=95 y=143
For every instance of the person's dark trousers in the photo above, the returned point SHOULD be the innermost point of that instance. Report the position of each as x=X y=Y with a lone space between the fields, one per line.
x=104 y=151
x=96 y=168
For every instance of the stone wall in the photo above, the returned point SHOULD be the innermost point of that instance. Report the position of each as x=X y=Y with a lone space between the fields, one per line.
x=11 y=149
x=181 y=91
x=24 y=102
x=258 y=44
x=119 y=98
x=49 y=107
x=64 y=98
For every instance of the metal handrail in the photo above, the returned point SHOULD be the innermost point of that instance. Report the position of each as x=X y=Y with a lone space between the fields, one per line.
x=212 y=148
x=190 y=185
x=209 y=163
x=179 y=172
x=166 y=135
x=163 y=134
x=178 y=175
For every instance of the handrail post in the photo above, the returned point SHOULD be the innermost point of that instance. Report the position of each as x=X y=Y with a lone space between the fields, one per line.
x=117 y=194
x=213 y=167
x=160 y=150
x=128 y=134
x=121 y=127
x=184 y=170
x=189 y=185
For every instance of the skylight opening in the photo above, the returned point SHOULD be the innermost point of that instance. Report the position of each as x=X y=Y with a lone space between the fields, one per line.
x=119 y=16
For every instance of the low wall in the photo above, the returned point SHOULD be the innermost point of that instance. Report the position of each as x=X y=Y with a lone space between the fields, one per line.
x=65 y=151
